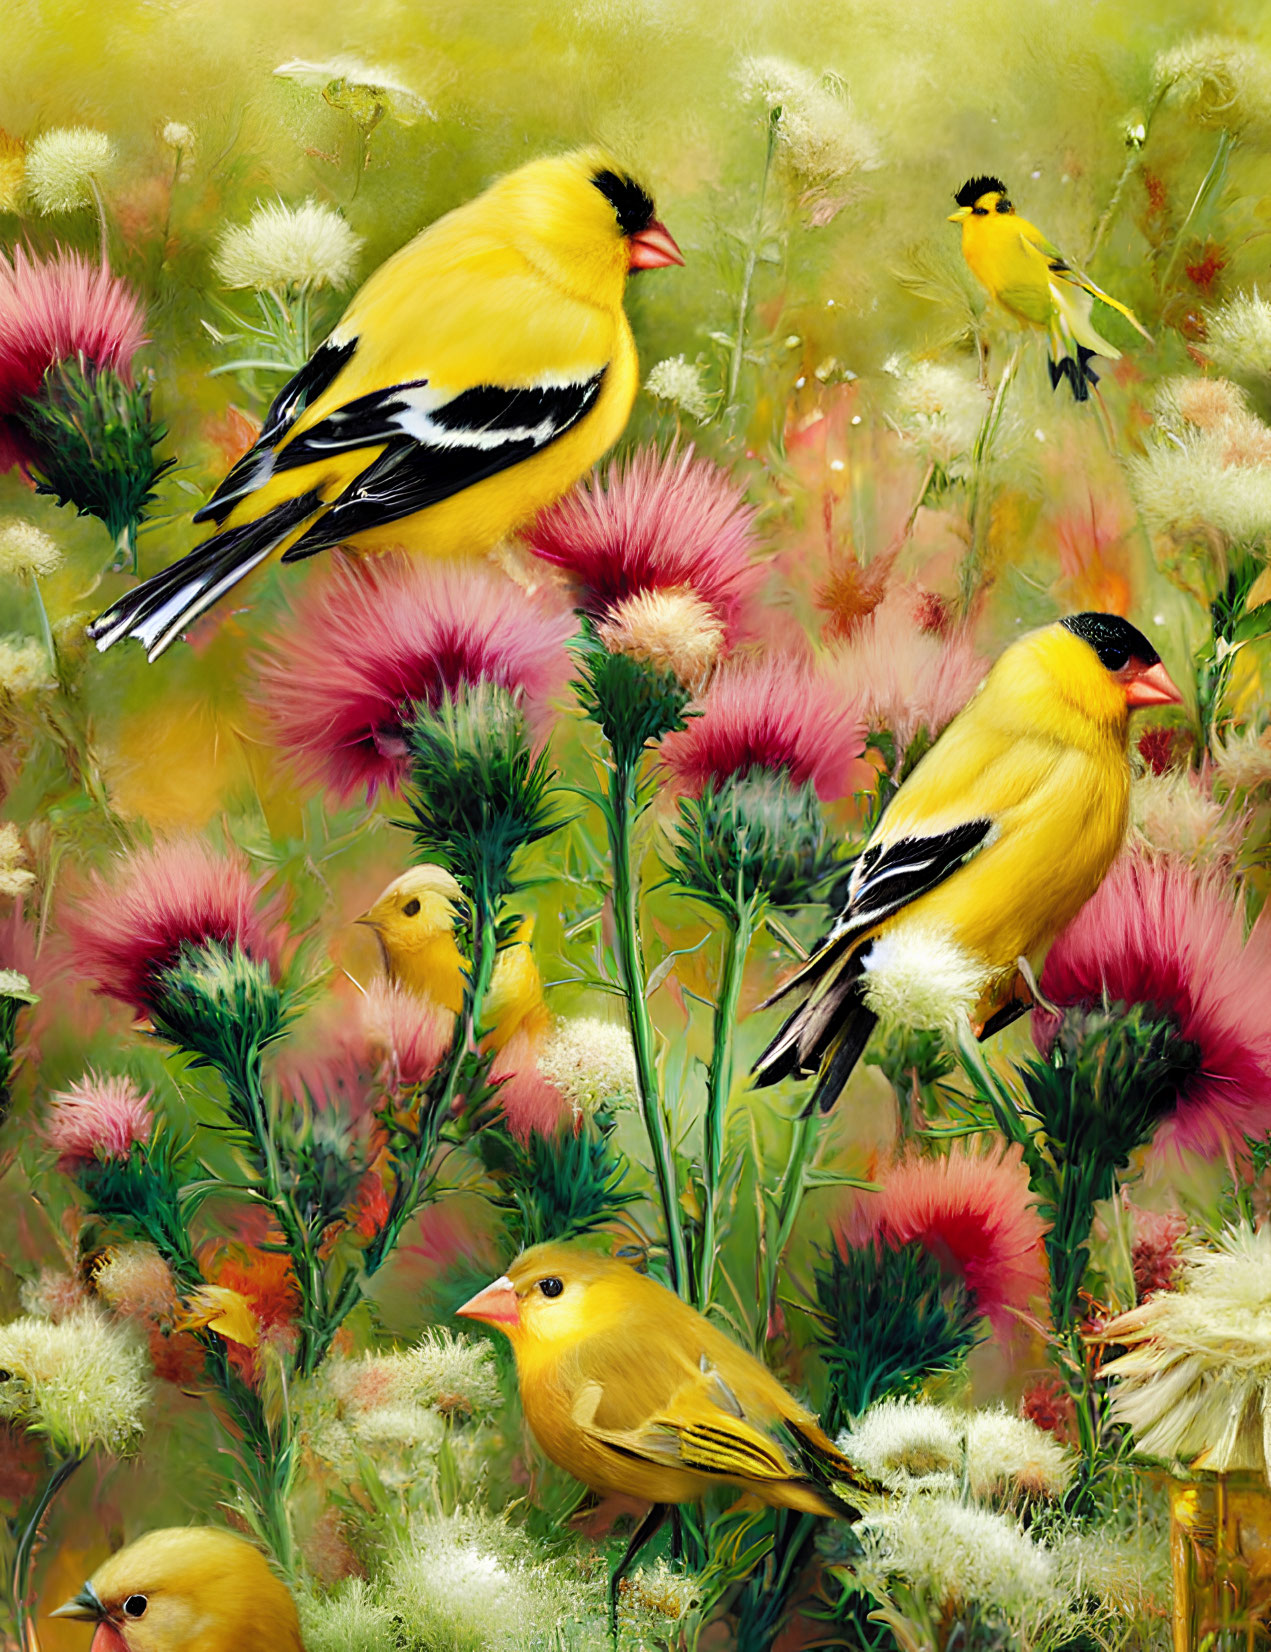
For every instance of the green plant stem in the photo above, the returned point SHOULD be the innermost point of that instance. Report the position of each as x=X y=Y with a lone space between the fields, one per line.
x=738 y=353
x=981 y=503
x=738 y=933
x=28 y=1543
x=620 y=823
x=803 y=1137
x=1216 y=169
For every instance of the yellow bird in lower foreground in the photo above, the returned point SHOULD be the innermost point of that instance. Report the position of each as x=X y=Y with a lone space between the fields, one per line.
x=1035 y=283
x=994 y=842
x=187 y=1589
x=633 y=1391
x=414 y=921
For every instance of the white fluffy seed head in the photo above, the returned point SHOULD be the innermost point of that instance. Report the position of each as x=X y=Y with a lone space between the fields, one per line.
x=916 y=977
x=63 y=165
x=283 y=248
x=27 y=551
x=679 y=381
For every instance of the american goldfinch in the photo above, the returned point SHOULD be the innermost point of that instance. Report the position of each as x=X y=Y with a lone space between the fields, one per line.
x=473 y=379
x=414 y=922
x=1034 y=283
x=187 y=1589
x=1000 y=835
x=633 y=1391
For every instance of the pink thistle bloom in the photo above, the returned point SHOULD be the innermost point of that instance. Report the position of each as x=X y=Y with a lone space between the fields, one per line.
x=126 y=929
x=1158 y=933
x=973 y=1212
x=408 y=1036
x=774 y=713
x=1154 y=1254
x=903 y=674
x=529 y=1102
x=58 y=309
x=655 y=522
x=372 y=639
x=98 y=1119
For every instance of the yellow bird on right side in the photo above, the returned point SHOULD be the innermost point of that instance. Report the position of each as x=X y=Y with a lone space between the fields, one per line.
x=1034 y=283
x=414 y=921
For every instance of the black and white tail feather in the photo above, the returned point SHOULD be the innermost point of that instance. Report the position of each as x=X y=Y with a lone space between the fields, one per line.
x=421 y=447
x=827 y=1032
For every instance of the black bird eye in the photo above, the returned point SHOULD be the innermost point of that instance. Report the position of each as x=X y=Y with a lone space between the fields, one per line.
x=6 y=1376
x=1004 y=205
x=550 y=1287
x=980 y=212
x=135 y=1606
x=411 y=909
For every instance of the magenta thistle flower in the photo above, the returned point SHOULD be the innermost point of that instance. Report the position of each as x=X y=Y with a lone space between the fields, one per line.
x=776 y=713
x=126 y=929
x=528 y=1101
x=371 y=640
x=98 y=1119
x=59 y=309
x=655 y=522
x=973 y=1211
x=1160 y=934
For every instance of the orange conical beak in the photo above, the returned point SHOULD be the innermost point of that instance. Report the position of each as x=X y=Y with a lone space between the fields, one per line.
x=496 y=1304
x=1152 y=687
x=652 y=248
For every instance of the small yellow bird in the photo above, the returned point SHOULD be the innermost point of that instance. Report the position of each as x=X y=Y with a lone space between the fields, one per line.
x=476 y=376
x=633 y=1391
x=1034 y=283
x=997 y=839
x=187 y=1589
x=414 y=922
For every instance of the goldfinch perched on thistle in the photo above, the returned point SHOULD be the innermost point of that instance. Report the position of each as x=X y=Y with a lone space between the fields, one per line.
x=187 y=1589
x=414 y=922
x=631 y=1390
x=1034 y=283
x=474 y=378
x=994 y=842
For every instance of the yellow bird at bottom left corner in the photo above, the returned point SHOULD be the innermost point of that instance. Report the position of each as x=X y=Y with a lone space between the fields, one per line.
x=187 y=1589
x=414 y=921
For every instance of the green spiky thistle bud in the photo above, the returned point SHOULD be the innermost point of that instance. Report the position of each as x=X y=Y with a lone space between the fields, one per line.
x=95 y=443
x=633 y=702
x=753 y=834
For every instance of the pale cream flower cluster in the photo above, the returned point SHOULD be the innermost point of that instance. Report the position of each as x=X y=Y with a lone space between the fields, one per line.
x=680 y=382
x=673 y=630
x=83 y=1381
x=16 y=878
x=26 y=551
x=823 y=142
x=1207 y=468
x=63 y=166
x=1195 y=1385
x=1218 y=81
x=283 y=248
x=24 y=668
x=1175 y=813
x=916 y=977
x=940 y=410
x=1238 y=335
x=591 y=1063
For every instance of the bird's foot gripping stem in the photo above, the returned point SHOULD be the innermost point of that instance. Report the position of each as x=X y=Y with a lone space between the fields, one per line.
x=644 y=1533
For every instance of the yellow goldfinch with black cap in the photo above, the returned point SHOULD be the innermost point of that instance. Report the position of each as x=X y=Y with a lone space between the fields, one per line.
x=994 y=842
x=475 y=377
x=1034 y=283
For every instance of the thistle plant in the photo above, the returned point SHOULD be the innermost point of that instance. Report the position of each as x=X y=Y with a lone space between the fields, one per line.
x=73 y=410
